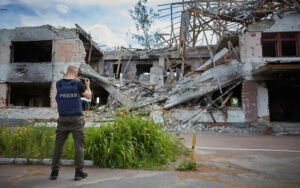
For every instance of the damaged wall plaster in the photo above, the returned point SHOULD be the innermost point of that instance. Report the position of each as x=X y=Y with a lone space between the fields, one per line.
x=5 y=52
x=287 y=22
x=263 y=102
x=68 y=50
x=26 y=72
x=3 y=94
x=249 y=100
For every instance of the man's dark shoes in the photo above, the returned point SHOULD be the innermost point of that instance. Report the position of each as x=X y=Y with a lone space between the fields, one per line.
x=54 y=175
x=79 y=175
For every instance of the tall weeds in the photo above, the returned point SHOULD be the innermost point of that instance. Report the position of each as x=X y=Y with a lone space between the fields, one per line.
x=129 y=142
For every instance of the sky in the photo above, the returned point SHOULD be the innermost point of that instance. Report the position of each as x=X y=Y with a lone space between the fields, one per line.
x=108 y=21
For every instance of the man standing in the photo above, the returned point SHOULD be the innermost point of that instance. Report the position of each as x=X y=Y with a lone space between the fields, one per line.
x=70 y=119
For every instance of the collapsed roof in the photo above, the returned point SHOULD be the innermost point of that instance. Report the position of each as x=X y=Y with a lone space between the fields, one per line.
x=203 y=22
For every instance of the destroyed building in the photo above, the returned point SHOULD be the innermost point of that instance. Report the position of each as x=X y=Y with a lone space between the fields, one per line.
x=256 y=51
x=223 y=63
x=32 y=59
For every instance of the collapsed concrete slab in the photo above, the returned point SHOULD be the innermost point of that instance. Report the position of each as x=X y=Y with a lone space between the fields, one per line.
x=202 y=84
x=102 y=81
x=219 y=57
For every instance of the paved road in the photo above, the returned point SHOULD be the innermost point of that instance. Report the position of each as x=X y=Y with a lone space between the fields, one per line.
x=270 y=162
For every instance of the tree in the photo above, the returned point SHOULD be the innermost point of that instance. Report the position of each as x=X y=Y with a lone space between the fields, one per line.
x=143 y=18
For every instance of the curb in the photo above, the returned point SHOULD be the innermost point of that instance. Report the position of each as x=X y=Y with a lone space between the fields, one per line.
x=41 y=161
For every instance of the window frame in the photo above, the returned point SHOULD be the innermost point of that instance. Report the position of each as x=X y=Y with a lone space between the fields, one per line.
x=279 y=41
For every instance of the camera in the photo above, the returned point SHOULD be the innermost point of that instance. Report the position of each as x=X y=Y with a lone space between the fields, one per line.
x=83 y=80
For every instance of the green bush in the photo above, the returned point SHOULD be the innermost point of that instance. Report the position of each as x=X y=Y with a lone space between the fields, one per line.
x=130 y=142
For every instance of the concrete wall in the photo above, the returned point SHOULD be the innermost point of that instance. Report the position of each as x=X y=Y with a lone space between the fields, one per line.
x=5 y=52
x=45 y=32
x=29 y=113
x=287 y=22
x=250 y=42
x=3 y=95
x=26 y=72
x=235 y=115
x=263 y=111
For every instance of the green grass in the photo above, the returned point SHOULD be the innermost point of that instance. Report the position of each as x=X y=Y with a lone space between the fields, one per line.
x=186 y=165
x=128 y=142
x=31 y=142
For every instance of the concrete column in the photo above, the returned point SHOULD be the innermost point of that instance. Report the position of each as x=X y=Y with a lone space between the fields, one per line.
x=3 y=95
x=249 y=98
x=156 y=76
x=155 y=64
x=5 y=52
x=53 y=91
x=263 y=111
x=161 y=62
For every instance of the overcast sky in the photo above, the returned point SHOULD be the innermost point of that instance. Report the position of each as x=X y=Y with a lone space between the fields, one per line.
x=108 y=21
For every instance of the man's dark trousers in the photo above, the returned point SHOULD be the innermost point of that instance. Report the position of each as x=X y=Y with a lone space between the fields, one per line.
x=66 y=125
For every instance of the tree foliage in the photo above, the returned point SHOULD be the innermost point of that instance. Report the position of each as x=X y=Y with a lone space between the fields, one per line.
x=144 y=18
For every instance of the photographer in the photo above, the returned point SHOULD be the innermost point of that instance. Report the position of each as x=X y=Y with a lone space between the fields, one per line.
x=70 y=119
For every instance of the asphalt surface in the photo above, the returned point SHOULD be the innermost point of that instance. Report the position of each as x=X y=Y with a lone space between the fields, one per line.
x=223 y=161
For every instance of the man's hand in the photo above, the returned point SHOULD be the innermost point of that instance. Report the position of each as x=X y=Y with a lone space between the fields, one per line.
x=88 y=93
x=87 y=82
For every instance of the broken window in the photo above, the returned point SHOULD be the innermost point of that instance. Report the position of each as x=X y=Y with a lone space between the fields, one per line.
x=232 y=99
x=142 y=68
x=93 y=55
x=32 y=51
x=270 y=49
x=100 y=96
x=31 y=95
x=280 y=44
x=115 y=67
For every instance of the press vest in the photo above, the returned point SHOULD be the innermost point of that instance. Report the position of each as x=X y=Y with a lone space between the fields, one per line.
x=68 y=98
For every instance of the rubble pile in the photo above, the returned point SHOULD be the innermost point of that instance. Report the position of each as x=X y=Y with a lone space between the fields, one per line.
x=205 y=127
x=202 y=92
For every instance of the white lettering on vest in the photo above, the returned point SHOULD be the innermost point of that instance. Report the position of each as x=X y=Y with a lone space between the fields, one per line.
x=68 y=95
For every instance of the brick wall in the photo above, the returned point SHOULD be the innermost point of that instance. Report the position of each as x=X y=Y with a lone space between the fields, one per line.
x=249 y=97
x=68 y=50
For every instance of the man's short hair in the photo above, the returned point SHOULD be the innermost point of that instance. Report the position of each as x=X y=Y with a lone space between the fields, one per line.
x=72 y=69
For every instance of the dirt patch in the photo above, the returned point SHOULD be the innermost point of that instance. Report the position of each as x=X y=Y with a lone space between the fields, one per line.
x=211 y=170
x=212 y=178
x=207 y=158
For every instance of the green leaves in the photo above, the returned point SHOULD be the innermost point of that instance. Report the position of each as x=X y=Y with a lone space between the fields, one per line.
x=143 y=18
x=130 y=142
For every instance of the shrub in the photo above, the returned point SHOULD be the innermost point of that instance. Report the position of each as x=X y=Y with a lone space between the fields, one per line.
x=130 y=142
